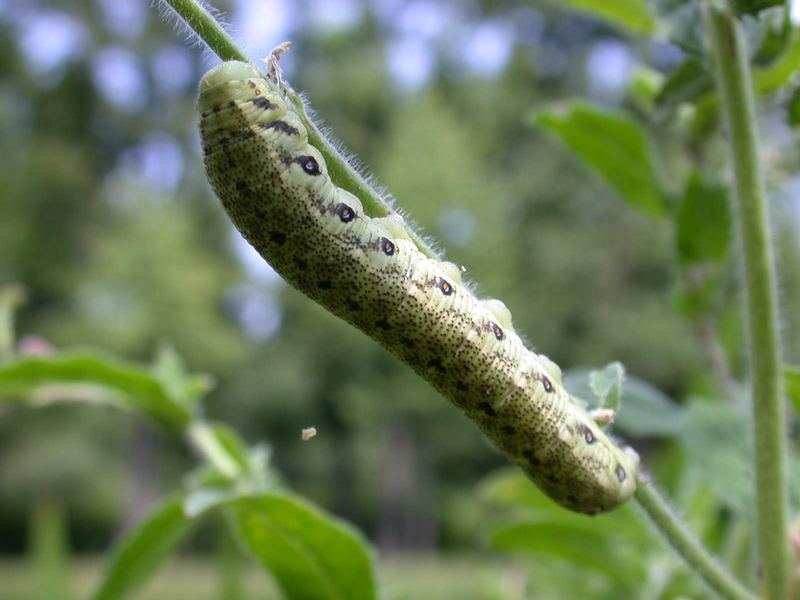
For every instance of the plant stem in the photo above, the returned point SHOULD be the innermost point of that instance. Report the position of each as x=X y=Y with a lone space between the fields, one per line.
x=11 y=296
x=732 y=73
x=201 y=437
x=207 y=28
x=687 y=545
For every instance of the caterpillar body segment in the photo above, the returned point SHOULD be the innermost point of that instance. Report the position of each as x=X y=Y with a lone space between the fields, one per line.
x=369 y=271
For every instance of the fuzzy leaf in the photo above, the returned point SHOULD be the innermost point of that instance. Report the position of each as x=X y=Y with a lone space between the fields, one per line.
x=703 y=222
x=614 y=146
x=310 y=554
x=607 y=383
x=792 y=375
x=143 y=550
x=136 y=387
x=633 y=15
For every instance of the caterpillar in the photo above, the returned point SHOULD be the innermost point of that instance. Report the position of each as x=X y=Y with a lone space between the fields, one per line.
x=372 y=271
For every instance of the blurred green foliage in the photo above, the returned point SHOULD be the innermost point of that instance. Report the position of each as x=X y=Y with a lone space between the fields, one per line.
x=310 y=554
x=115 y=253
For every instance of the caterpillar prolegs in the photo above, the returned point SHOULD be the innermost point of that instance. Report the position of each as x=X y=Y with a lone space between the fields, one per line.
x=370 y=271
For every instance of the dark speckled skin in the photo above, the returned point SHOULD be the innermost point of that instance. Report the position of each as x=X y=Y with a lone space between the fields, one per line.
x=368 y=271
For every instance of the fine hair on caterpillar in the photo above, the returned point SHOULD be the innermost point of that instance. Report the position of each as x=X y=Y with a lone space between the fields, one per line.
x=365 y=265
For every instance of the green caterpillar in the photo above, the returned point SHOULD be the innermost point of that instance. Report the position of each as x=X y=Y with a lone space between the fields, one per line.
x=372 y=272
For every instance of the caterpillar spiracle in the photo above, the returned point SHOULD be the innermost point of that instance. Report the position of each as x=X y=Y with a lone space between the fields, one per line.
x=372 y=272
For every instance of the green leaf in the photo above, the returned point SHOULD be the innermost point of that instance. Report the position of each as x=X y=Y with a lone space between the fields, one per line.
x=792 y=375
x=209 y=497
x=607 y=383
x=766 y=80
x=510 y=488
x=143 y=550
x=633 y=15
x=181 y=385
x=780 y=71
x=233 y=445
x=221 y=447
x=138 y=388
x=643 y=87
x=793 y=108
x=753 y=7
x=583 y=545
x=684 y=24
x=646 y=411
x=703 y=222
x=310 y=554
x=689 y=81
x=776 y=30
x=614 y=146
x=699 y=295
x=718 y=445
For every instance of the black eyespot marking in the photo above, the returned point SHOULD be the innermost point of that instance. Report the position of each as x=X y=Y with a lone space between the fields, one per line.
x=383 y=324
x=309 y=163
x=548 y=386
x=232 y=103
x=462 y=386
x=278 y=237
x=588 y=435
x=387 y=246
x=301 y=264
x=263 y=103
x=498 y=332
x=487 y=408
x=354 y=306
x=509 y=430
x=620 y=473
x=445 y=286
x=572 y=498
x=325 y=285
x=241 y=185
x=346 y=214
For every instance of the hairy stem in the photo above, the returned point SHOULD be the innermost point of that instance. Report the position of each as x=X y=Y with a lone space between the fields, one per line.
x=207 y=28
x=732 y=73
x=342 y=173
x=345 y=176
x=687 y=545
